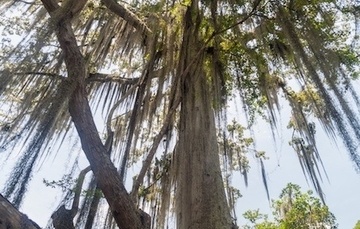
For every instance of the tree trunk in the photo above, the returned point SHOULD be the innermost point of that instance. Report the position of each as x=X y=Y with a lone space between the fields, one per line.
x=11 y=218
x=123 y=208
x=200 y=194
x=124 y=211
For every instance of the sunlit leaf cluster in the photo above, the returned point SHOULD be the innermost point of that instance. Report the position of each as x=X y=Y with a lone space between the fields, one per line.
x=293 y=209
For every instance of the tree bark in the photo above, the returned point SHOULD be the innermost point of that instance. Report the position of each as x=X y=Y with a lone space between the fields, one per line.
x=123 y=209
x=11 y=218
x=125 y=213
x=63 y=218
x=127 y=15
x=200 y=194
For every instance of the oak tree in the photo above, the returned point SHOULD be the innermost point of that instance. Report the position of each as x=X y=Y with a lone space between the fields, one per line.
x=162 y=72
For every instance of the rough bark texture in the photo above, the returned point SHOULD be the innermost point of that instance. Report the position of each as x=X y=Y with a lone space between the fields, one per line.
x=122 y=207
x=11 y=218
x=200 y=197
x=124 y=211
x=63 y=218
x=108 y=179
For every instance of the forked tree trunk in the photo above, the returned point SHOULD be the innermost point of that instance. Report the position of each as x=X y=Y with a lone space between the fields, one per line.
x=122 y=207
x=200 y=194
x=124 y=210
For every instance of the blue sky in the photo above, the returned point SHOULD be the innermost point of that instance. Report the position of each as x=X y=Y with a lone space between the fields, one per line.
x=341 y=190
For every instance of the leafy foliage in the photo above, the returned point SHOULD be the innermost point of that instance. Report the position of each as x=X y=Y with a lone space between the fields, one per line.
x=357 y=226
x=294 y=209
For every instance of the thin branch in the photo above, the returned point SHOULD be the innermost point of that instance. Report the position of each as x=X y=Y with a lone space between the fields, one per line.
x=62 y=217
x=251 y=13
x=56 y=76
x=93 y=77
x=157 y=178
x=147 y=162
x=100 y=77
x=137 y=103
x=77 y=191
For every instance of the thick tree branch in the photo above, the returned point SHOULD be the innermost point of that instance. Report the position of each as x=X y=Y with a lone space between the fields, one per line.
x=10 y=217
x=68 y=9
x=63 y=218
x=122 y=207
x=50 y=5
x=127 y=15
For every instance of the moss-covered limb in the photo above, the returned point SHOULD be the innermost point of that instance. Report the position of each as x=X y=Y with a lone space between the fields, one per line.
x=127 y=15
x=11 y=217
x=100 y=77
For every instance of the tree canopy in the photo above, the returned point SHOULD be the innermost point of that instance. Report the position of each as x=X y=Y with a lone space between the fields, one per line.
x=294 y=209
x=149 y=82
x=357 y=225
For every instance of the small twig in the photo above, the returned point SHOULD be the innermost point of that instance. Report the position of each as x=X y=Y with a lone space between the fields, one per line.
x=161 y=175
x=252 y=12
